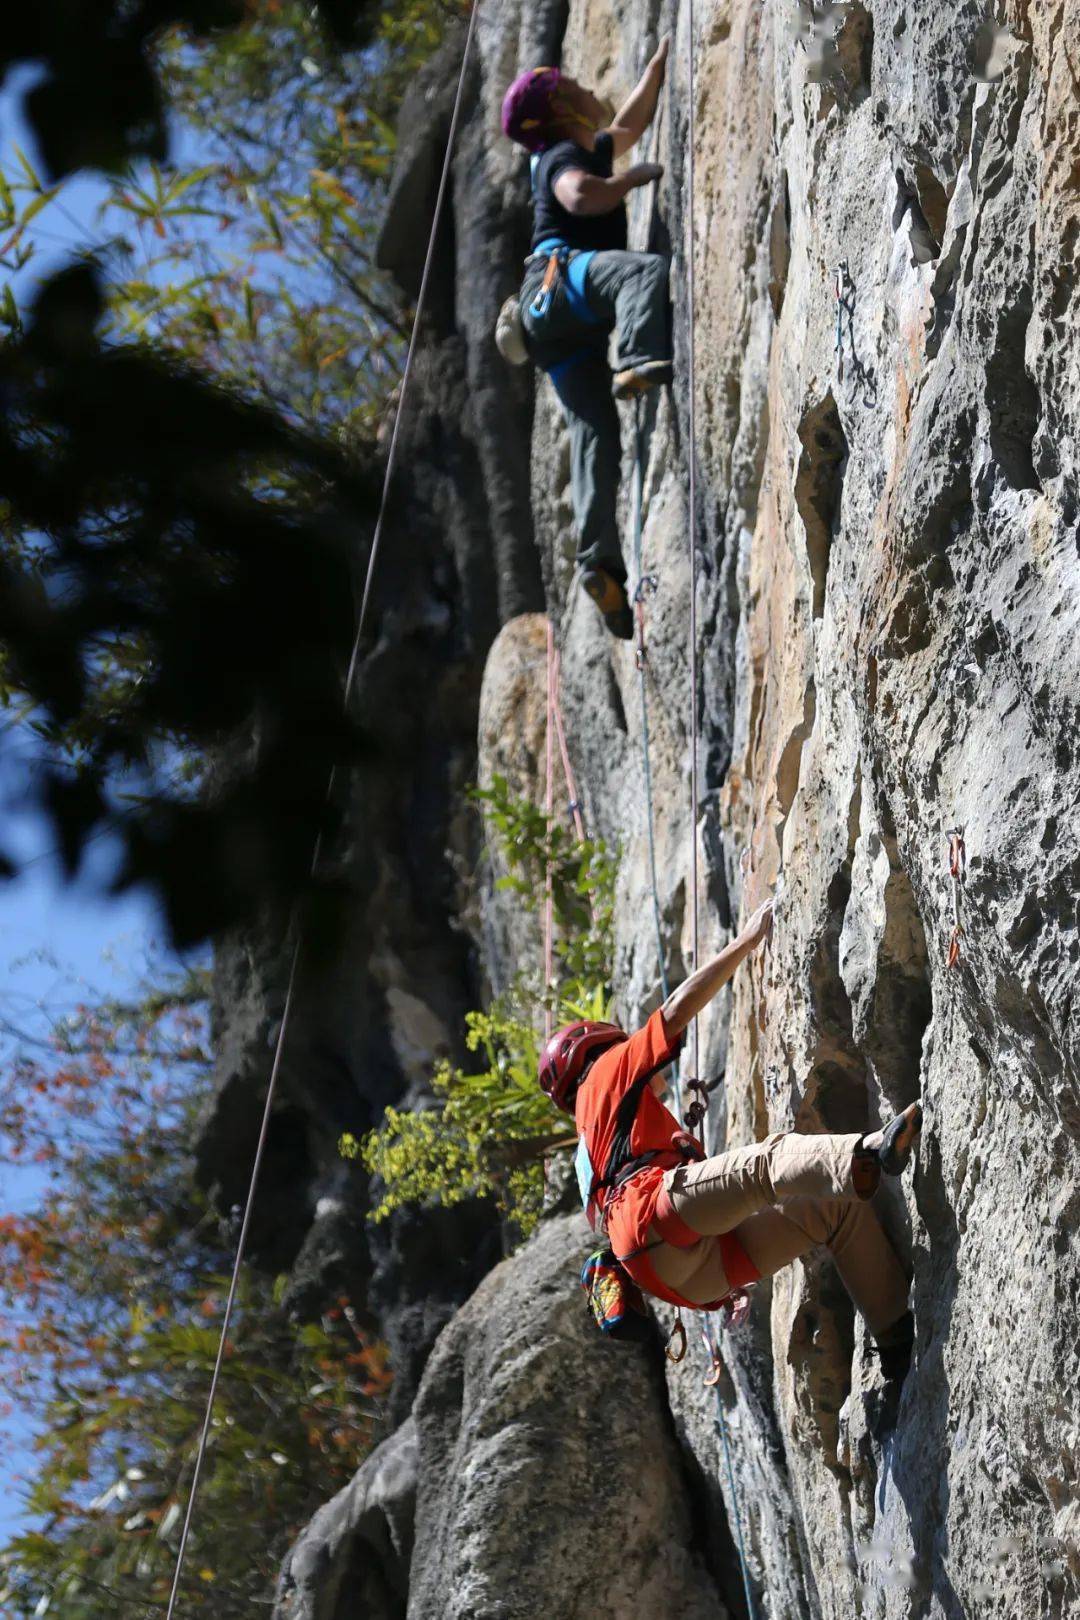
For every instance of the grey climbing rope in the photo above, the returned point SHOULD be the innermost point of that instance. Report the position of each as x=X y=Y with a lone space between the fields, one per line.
x=711 y=1344
x=712 y=1350
x=286 y=1014
x=645 y=585
x=691 y=304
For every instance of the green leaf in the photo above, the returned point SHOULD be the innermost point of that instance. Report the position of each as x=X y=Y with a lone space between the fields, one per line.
x=34 y=208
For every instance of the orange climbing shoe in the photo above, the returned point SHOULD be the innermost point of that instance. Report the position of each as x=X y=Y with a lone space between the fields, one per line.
x=610 y=597
x=639 y=379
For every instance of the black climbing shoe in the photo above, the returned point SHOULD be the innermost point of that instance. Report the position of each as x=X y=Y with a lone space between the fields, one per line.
x=899 y=1139
x=609 y=594
x=893 y=1348
x=639 y=379
x=887 y=1150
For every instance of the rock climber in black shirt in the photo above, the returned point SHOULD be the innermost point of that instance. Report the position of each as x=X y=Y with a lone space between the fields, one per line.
x=581 y=283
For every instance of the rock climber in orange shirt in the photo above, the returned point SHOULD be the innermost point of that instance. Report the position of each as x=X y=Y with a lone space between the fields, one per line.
x=690 y=1229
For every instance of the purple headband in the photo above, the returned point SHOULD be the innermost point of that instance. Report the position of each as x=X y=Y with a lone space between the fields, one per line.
x=526 y=108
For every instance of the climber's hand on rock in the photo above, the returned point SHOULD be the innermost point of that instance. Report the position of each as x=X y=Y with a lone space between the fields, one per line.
x=660 y=56
x=760 y=925
x=695 y=993
x=640 y=174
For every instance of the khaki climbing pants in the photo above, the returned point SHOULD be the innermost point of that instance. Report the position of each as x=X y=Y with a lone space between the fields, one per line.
x=781 y=1198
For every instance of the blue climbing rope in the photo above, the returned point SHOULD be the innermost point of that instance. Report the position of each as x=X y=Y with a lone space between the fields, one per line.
x=712 y=1347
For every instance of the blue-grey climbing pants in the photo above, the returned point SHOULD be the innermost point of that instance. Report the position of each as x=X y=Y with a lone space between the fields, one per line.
x=628 y=293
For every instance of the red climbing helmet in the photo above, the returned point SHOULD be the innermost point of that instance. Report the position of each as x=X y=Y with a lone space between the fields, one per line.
x=526 y=108
x=563 y=1060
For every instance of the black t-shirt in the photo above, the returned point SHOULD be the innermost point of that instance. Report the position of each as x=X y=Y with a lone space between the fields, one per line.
x=550 y=218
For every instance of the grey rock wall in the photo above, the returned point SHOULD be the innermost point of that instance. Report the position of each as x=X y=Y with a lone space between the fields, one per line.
x=888 y=598
x=532 y=1430
x=888 y=602
x=353 y=1558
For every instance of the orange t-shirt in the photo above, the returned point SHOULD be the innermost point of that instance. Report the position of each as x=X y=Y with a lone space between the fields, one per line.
x=646 y=1127
x=606 y=1139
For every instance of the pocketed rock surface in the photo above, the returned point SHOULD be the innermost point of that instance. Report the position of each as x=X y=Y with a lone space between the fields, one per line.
x=888 y=595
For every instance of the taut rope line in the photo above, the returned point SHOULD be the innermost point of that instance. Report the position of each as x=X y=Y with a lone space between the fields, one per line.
x=286 y=1013
x=710 y=1339
x=692 y=524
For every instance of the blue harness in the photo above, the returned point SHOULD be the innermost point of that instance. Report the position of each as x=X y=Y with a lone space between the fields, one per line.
x=573 y=268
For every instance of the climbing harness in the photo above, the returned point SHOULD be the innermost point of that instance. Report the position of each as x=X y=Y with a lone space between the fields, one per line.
x=957 y=865
x=296 y=926
x=567 y=266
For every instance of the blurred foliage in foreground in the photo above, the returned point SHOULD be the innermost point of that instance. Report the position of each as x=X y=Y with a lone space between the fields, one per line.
x=489 y=1130
x=187 y=453
x=111 y=1298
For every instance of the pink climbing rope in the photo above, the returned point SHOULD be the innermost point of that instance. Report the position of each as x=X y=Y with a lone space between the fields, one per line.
x=564 y=755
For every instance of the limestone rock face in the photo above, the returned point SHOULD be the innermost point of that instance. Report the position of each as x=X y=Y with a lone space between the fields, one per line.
x=885 y=234
x=532 y=1429
x=353 y=1558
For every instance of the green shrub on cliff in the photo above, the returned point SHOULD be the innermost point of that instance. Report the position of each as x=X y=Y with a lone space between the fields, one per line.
x=489 y=1128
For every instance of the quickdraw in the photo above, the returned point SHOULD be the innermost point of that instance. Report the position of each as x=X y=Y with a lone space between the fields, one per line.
x=675 y=1349
x=843 y=306
x=647 y=586
x=716 y=1366
x=697 y=1110
x=957 y=874
x=542 y=302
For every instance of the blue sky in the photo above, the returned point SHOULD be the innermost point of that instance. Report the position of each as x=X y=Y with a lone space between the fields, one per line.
x=56 y=941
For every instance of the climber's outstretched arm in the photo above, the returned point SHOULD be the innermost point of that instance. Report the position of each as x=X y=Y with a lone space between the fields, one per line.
x=683 y=1005
x=637 y=112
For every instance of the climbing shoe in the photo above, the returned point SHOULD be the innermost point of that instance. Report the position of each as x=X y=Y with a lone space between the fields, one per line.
x=893 y=1348
x=609 y=594
x=639 y=379
x=898 y=1140
x=887 y=1150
